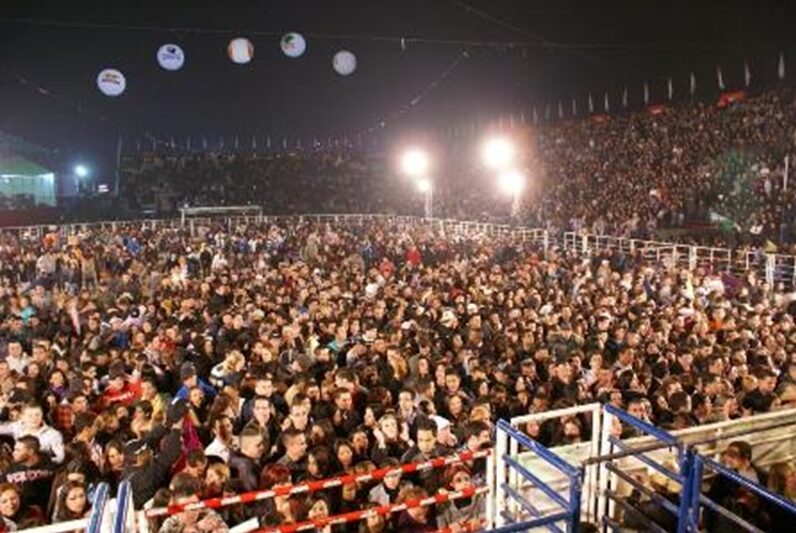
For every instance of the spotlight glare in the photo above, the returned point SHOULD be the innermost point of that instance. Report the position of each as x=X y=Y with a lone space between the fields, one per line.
x=423 y=185
x=81 y=171
x=511 y=182
x=415 y=162
x=498 y=153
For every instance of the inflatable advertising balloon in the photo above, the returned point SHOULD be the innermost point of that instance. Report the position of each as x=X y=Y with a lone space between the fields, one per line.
x=171 y=57
x=111 y=82
x=293 y=45
x=240 y=50
x=344 y=62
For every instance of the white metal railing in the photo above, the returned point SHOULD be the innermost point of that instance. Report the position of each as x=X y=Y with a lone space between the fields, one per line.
x=774 y=268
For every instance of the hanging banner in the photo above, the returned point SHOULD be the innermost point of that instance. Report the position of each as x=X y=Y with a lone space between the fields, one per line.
x=624 y=97
x=606 y=105
x=747 y=74
x=574 y=107
x=731 y=97
x=535 y=116
x=670 y=89
x=591 y=104
x=692 y=84
x=646 y=93
x=720 y=78
x=560 y=109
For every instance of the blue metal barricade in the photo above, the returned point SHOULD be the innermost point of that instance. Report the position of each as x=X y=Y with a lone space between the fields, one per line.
x=98 y=506
x=765 y=497
x=566 y=503
x=613 y=473
x=125 y=518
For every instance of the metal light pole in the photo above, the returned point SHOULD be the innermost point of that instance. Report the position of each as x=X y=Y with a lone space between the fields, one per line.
x=426 y=186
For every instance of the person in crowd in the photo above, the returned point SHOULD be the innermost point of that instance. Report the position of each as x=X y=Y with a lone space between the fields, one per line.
x=462 y=512
x=72 y=502
x=345 y=364
x=185 y=489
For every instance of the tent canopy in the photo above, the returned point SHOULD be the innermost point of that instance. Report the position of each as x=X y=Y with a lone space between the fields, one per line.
x=18 y=166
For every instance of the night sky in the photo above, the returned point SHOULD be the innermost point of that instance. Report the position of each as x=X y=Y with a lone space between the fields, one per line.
x=551 y=50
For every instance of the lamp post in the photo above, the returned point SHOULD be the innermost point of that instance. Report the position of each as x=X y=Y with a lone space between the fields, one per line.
x=511 y=183
x=425 y=186
x=415 y=164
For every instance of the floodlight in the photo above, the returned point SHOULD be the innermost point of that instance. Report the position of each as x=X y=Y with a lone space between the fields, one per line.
x=423 y=184
x=498 y=153
x=511 y=182
x=414 y=162
x=81 y=171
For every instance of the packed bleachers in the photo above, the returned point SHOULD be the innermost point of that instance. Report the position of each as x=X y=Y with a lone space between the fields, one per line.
x=680 y=167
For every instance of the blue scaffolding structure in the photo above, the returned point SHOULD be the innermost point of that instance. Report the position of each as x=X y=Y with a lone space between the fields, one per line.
x=688 y=472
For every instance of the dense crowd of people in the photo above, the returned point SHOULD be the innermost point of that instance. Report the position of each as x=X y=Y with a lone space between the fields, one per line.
x=682 y=165
x=237 y=359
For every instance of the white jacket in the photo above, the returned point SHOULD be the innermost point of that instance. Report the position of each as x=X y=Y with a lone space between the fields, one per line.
x=50 y=439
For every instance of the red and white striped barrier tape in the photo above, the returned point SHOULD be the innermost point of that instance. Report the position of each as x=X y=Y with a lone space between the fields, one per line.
x=384 y=510
x=315 y=486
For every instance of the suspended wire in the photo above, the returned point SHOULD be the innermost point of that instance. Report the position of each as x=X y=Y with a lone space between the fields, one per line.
x=78 y=107
x=468 y=8
x=420 y=96
x=536 y=42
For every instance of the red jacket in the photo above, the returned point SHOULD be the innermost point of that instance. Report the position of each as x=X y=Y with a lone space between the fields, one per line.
x=127 y=395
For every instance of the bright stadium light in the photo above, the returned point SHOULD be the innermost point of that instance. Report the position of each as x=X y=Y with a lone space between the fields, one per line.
x=498 y=153
x=511 y=182
x=81 y=171
x=415 y=163
x=423 y=185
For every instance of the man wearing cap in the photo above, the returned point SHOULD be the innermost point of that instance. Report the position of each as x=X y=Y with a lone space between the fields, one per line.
x=150 y=459
x=190 y=380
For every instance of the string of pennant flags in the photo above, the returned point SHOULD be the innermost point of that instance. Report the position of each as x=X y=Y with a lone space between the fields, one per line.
x=373 y=138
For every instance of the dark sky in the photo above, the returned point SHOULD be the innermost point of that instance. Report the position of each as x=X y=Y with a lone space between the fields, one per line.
x=571 y=49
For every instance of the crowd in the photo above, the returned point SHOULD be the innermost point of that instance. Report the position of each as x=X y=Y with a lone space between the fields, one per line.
x=686 y=164
x=255 y=357
x=660 y=170
x=282 y=183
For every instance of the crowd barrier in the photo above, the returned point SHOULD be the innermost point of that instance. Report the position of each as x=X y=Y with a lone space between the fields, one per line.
x=618 y=472
x=772 y=267
x=527 y=486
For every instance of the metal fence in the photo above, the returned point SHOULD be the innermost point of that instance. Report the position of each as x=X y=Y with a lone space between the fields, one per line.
x=774 y=268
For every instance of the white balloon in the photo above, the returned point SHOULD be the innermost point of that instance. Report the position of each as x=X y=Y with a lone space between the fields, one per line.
x=111 y=82
x=240 y=50
x=293 y=44
x=344 y=62
x=171 y=57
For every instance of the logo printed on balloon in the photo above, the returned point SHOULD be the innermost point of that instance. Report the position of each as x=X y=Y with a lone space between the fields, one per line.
x=344 y=62
x=240 y=50
x=111 y=82
x=293 y=44
x=171 y=57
